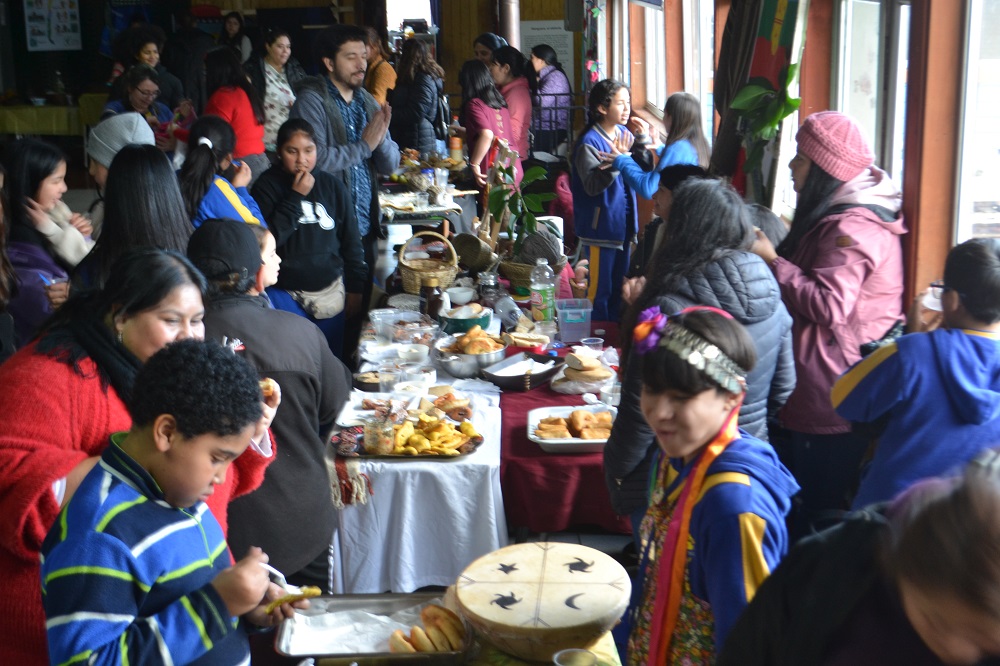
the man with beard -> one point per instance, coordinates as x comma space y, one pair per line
351, 129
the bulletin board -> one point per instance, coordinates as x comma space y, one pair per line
52, 25
555, 35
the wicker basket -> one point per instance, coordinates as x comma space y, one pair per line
519, 275
473, 252
414, 271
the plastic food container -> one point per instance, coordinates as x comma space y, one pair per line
574, 318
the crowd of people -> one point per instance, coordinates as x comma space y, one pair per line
772, 380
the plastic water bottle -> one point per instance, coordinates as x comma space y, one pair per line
543, 291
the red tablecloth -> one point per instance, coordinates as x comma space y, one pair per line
545, 492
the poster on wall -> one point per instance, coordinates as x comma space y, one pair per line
555, 35
52, 25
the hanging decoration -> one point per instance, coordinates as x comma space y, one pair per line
592, 34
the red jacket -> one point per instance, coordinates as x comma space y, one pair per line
843, 287
54, 417
233, 106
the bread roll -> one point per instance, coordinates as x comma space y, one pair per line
554, 420
555, 433
603, 418
595, 433
582, 362
580, 419
598, 375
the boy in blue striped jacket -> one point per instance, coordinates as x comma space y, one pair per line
136, 570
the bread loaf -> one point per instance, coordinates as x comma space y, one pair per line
582, 362
597, 375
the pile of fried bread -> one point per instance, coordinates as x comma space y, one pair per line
581, 424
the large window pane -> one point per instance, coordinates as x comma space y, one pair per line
656, 70
979, 187
859, 64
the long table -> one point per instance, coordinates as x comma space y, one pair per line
426, 520
545, 492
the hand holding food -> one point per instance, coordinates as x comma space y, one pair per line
305, 592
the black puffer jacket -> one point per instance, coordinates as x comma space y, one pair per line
741, 284
414, 106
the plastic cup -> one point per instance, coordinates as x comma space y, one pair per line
597, 344
612, 394
574, 657
930, 302
388, 376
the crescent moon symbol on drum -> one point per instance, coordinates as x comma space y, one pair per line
570, 601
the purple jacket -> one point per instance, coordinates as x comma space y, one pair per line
552, 100
843, 287
30, 305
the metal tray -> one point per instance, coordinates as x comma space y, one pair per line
377, 604
523, 382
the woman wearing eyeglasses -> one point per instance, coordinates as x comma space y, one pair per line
140, 94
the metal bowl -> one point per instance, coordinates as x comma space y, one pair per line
463, 366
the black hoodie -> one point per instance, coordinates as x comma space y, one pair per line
316, 235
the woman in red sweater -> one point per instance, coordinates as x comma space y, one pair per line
232, 98
66, 394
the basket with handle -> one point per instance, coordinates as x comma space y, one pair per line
414, 271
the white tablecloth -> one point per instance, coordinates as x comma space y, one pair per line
425, 521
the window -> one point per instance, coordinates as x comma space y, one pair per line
397, 11
655, 57
979, 171
699, 58
873, 40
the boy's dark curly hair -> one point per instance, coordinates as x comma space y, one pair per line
203, 385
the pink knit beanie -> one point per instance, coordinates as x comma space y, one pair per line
834, 142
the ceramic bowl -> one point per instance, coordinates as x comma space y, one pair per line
461, 295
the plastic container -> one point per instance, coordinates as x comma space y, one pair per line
574, 318
543, 291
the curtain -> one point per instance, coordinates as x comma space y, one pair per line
735, 57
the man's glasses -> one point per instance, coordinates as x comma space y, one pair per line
938, 288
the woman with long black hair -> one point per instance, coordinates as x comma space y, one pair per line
232, 98
485, 117
553, 97
143, 207
840, 269
415, 100
705, 259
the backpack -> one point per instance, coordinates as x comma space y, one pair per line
442, 118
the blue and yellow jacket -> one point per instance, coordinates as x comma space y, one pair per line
603, 204
126, 578
225, 201
737, 534
939, 394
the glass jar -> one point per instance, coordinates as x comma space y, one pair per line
379, 436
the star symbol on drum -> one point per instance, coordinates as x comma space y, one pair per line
507, 568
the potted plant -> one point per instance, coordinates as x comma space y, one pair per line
509, 205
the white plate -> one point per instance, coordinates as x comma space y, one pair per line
571, 445
351, 413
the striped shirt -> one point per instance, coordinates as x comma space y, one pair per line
126, 577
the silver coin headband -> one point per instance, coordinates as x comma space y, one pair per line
704, 356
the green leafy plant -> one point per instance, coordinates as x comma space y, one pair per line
508, 201
763, 108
